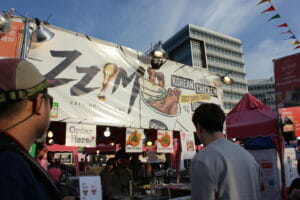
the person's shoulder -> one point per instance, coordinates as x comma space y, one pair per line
12, 164
11, 157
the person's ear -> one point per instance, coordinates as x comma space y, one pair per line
37, 103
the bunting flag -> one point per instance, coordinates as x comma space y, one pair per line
262, 1
296, 42
283, 25
297, 47
292, 37
268, 10
274, 17
287, 32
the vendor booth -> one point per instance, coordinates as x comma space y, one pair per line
258, 125
109, 97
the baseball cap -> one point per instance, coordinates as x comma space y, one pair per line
19, 79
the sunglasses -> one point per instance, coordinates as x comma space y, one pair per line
50, 98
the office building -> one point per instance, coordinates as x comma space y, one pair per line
219, 53
264, 90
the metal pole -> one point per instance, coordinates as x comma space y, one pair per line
25, 45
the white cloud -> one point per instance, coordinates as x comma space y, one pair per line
230, 16
259, 62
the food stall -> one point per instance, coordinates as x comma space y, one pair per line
99, 86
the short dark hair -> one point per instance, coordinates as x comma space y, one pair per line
11, 110
210, 116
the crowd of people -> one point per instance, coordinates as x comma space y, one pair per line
222, 170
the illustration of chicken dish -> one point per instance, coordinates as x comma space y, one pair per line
134, 138
155, 94
165, 140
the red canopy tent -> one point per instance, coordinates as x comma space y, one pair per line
251, 118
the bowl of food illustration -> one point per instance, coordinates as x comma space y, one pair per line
161, 100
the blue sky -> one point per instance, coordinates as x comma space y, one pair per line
139, 23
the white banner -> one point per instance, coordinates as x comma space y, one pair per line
96, 82
290, 165
187, 145
165, 141
270, 182
134, 140
90, 188
80, 135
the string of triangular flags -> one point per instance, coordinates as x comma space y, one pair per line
284, 25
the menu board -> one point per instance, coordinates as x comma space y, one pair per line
90, 188
134, 140
165, 141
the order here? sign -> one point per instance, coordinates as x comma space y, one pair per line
81, 135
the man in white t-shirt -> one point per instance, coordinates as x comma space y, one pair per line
222, 170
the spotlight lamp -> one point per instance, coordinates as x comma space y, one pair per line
41, 34
227, 79
5, 21
159, 56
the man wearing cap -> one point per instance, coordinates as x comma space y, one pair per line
24, 117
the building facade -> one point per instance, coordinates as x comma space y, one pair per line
264, 90
219, 53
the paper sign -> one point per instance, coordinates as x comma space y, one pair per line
290, 165
90, 188
187, 145
134, 140
81, 135
10, 43
164, 141
269, 173
291, 119
54, 110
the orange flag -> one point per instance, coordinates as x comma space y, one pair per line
262, 1
296, 42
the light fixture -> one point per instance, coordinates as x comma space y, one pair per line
112, 144
5, 21
159, 56
97, 152
149, 143
50, 134
107, 132
227, 80
51, 141
41, 34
